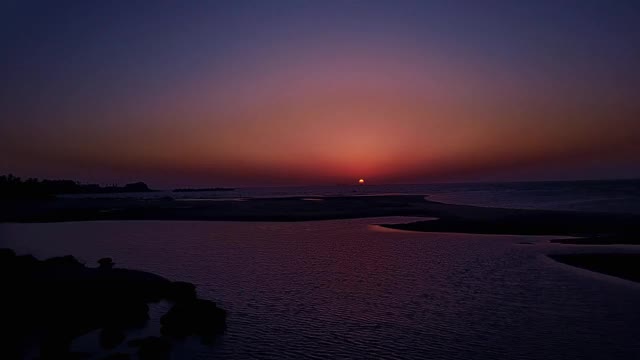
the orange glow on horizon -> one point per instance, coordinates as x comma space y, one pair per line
311, 108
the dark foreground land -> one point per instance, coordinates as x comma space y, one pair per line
46, 304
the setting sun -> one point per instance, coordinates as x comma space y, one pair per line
361, 181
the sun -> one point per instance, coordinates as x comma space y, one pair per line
361, 181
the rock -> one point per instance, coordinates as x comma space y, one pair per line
7, 254
61, 299
106, 263
67, 260
27, 262
127, 313
200, 317
111, 337
181, 291
7, 259
117, 356
152, 348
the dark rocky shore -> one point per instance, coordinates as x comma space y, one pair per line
46, 304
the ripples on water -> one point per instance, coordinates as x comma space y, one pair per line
341, 289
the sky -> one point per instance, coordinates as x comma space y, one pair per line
252, 93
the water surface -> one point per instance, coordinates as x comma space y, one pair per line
343, 289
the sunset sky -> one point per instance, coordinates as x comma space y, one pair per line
179, 93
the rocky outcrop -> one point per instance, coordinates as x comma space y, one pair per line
60, 298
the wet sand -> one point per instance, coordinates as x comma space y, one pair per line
584, 228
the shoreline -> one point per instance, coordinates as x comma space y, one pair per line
583, 227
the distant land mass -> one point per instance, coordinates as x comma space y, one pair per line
203, 189
15, 187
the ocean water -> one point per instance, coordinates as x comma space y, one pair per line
593, 196
349, 289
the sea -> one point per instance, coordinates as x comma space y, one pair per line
350, 289
622, 196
